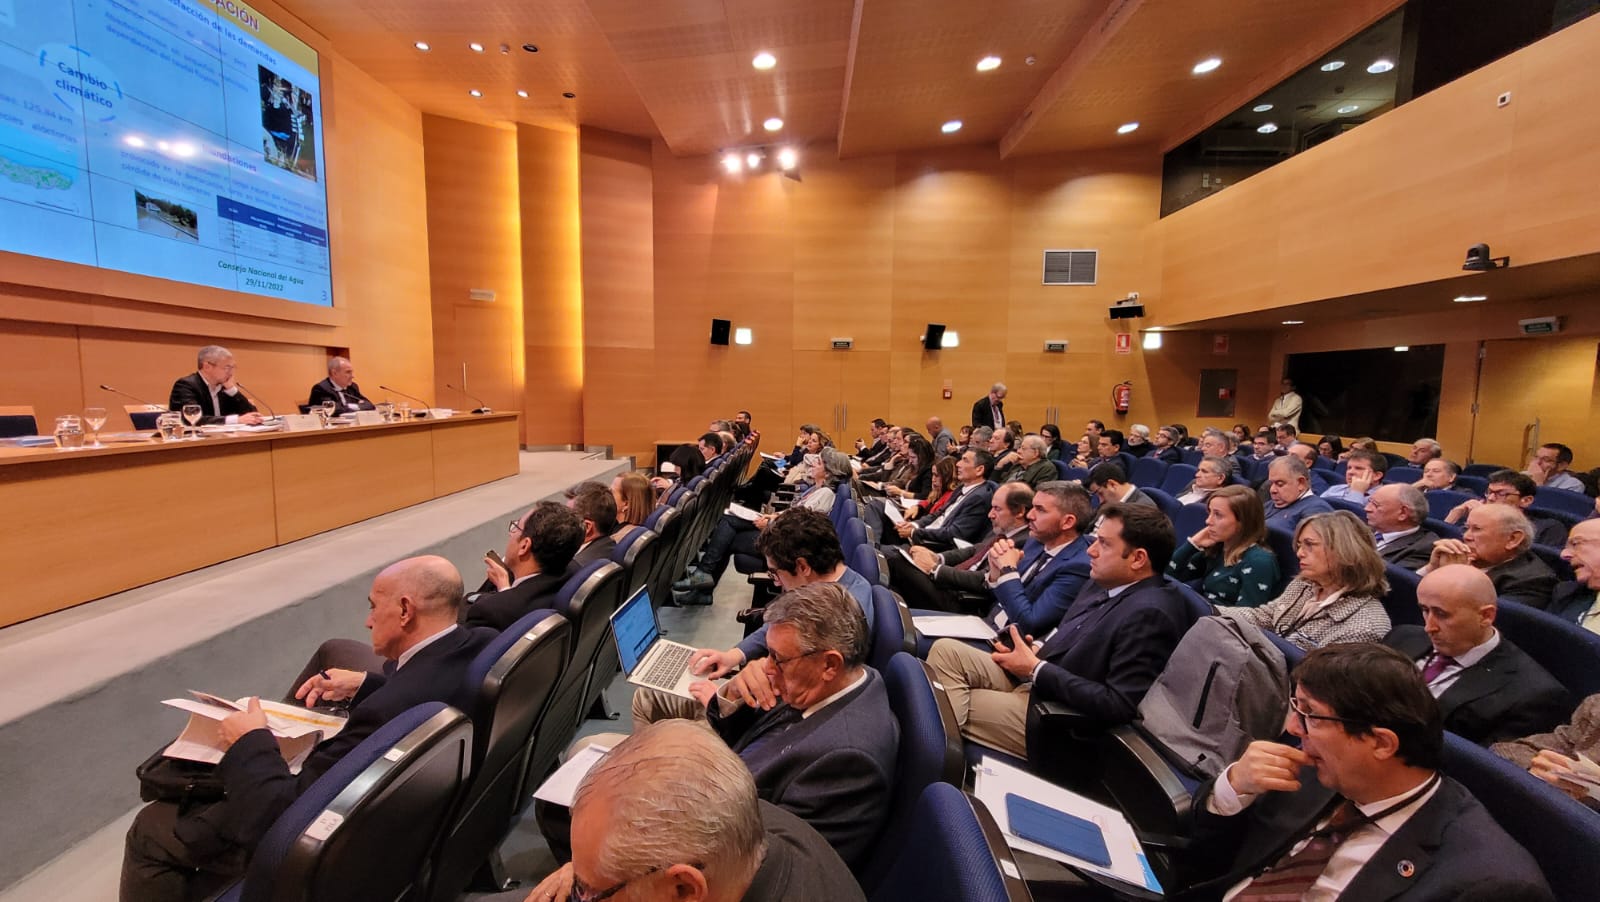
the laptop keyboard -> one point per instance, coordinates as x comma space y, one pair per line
669, 665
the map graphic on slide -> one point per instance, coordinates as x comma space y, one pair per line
181, 139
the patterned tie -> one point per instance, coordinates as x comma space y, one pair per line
1435, 666
979, 556
1292, 875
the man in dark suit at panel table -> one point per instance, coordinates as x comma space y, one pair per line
538, 553
340, 388
173, 855
213, 387
1378, 821
1489, 690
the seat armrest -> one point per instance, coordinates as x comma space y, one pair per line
1149, 790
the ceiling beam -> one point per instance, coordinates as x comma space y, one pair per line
849, 74
1115, 14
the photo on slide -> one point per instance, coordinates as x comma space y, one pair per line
289, 132
165, 218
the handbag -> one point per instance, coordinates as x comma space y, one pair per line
187, 783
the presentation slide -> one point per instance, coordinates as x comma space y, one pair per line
180, 139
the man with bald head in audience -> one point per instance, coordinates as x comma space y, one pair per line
174, 854
1515, 490
1499, 540
941, 438
1290, 497
1395, 513
1489, 690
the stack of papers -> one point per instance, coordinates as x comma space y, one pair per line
563, 784
954, 626
1586, 775
742, 512
298, 730
892, 511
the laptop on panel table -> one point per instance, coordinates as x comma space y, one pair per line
646, 658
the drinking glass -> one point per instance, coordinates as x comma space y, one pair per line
69, 432
191, 412
96, 418
405, 413
328, 408
169, 425
386, 409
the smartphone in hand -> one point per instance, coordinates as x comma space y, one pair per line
493, 555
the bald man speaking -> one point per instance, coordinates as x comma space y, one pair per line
1488, 689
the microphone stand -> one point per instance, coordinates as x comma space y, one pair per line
255, 397
425, 404
118, 391
482, 407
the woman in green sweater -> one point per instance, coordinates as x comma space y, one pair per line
1229, 556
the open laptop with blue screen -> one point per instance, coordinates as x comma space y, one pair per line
648, 659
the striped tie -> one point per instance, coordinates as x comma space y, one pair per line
1293, 874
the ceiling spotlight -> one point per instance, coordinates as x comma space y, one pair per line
1333, 65
568, 94
989, 64
1294, 322
505, 48
732, 163
1349, 108
1470, 298
752, 159
1261, 108
787, 158
764, 61
531, 48
1379, 67
1266, 128
951, 127
523, 94
1126, 127
475, 47
422, 45
1479, 260
772, 124
1207, 65
475, 92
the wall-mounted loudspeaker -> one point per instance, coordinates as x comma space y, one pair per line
932, 338
719, 331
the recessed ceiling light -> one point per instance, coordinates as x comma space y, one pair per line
1470, 298
1261, 108
1379, 67
1333, 65
951, 127
523, 94
1206, 65
787, 158
1126, 127
731, 162
1266, 128
475, 92
772, 124
475, 47
1349, 108
1402, 348
422, 45
531, 48
568, 94
764, 60
1294, 322
988, 64
752, 159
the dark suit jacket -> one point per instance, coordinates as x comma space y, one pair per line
1570, 601
1172, 454
191, 389
1035, 605
974, 581
499, 610
968, 522
1410, 552
1295, 512
353, 399
1454, 846
834, 770
1547, 530
1507, 695
1524, 578
1107, 651
982, 415
799, 866
259, 785
598, 550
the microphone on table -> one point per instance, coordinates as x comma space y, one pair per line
402, 394
118, 391
482, 407
255, 397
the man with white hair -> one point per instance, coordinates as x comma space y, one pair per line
1396, 513
1424, 450
990, 410
1499, 540
340, 388
1027, 463
673, 813
213, 387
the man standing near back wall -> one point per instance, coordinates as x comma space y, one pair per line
990, 410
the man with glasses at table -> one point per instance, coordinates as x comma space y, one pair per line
213, 387
538, 560
1379, 821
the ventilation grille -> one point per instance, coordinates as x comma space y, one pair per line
1070, 267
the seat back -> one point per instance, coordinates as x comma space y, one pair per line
853, 535
1440, 501
1552, 559
1401, 599
1061, 469
18, 420
587, 601
1442, 529
887, 632
637, 555
1081, 474
1168, 504
1190, 519
1477, 485
953, 851
1557, 831
1192, 456
1355, 507
1484, 469
509, 687
1570, 652
929, 753
1281, 540
863, 559
1403, 474
338, 840
1324, 464
668, 526
143, 416
1178, 477
844, 507
1148, 472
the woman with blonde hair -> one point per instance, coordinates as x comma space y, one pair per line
1336, 596
1229, 557
635, 500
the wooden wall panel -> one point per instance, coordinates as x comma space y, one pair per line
474, 218
39, 366
552, 285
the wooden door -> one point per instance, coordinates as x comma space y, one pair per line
1534, 390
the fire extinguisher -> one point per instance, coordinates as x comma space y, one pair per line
1121, 396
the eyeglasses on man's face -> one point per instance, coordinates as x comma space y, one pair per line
1299, 709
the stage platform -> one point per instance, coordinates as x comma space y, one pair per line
83, 686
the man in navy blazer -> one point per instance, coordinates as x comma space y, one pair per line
1290, 496
1400, 830
213, 387
1034, 587
174, 854
1110, 646
340, 388
539, 551
812, 721
966, 514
